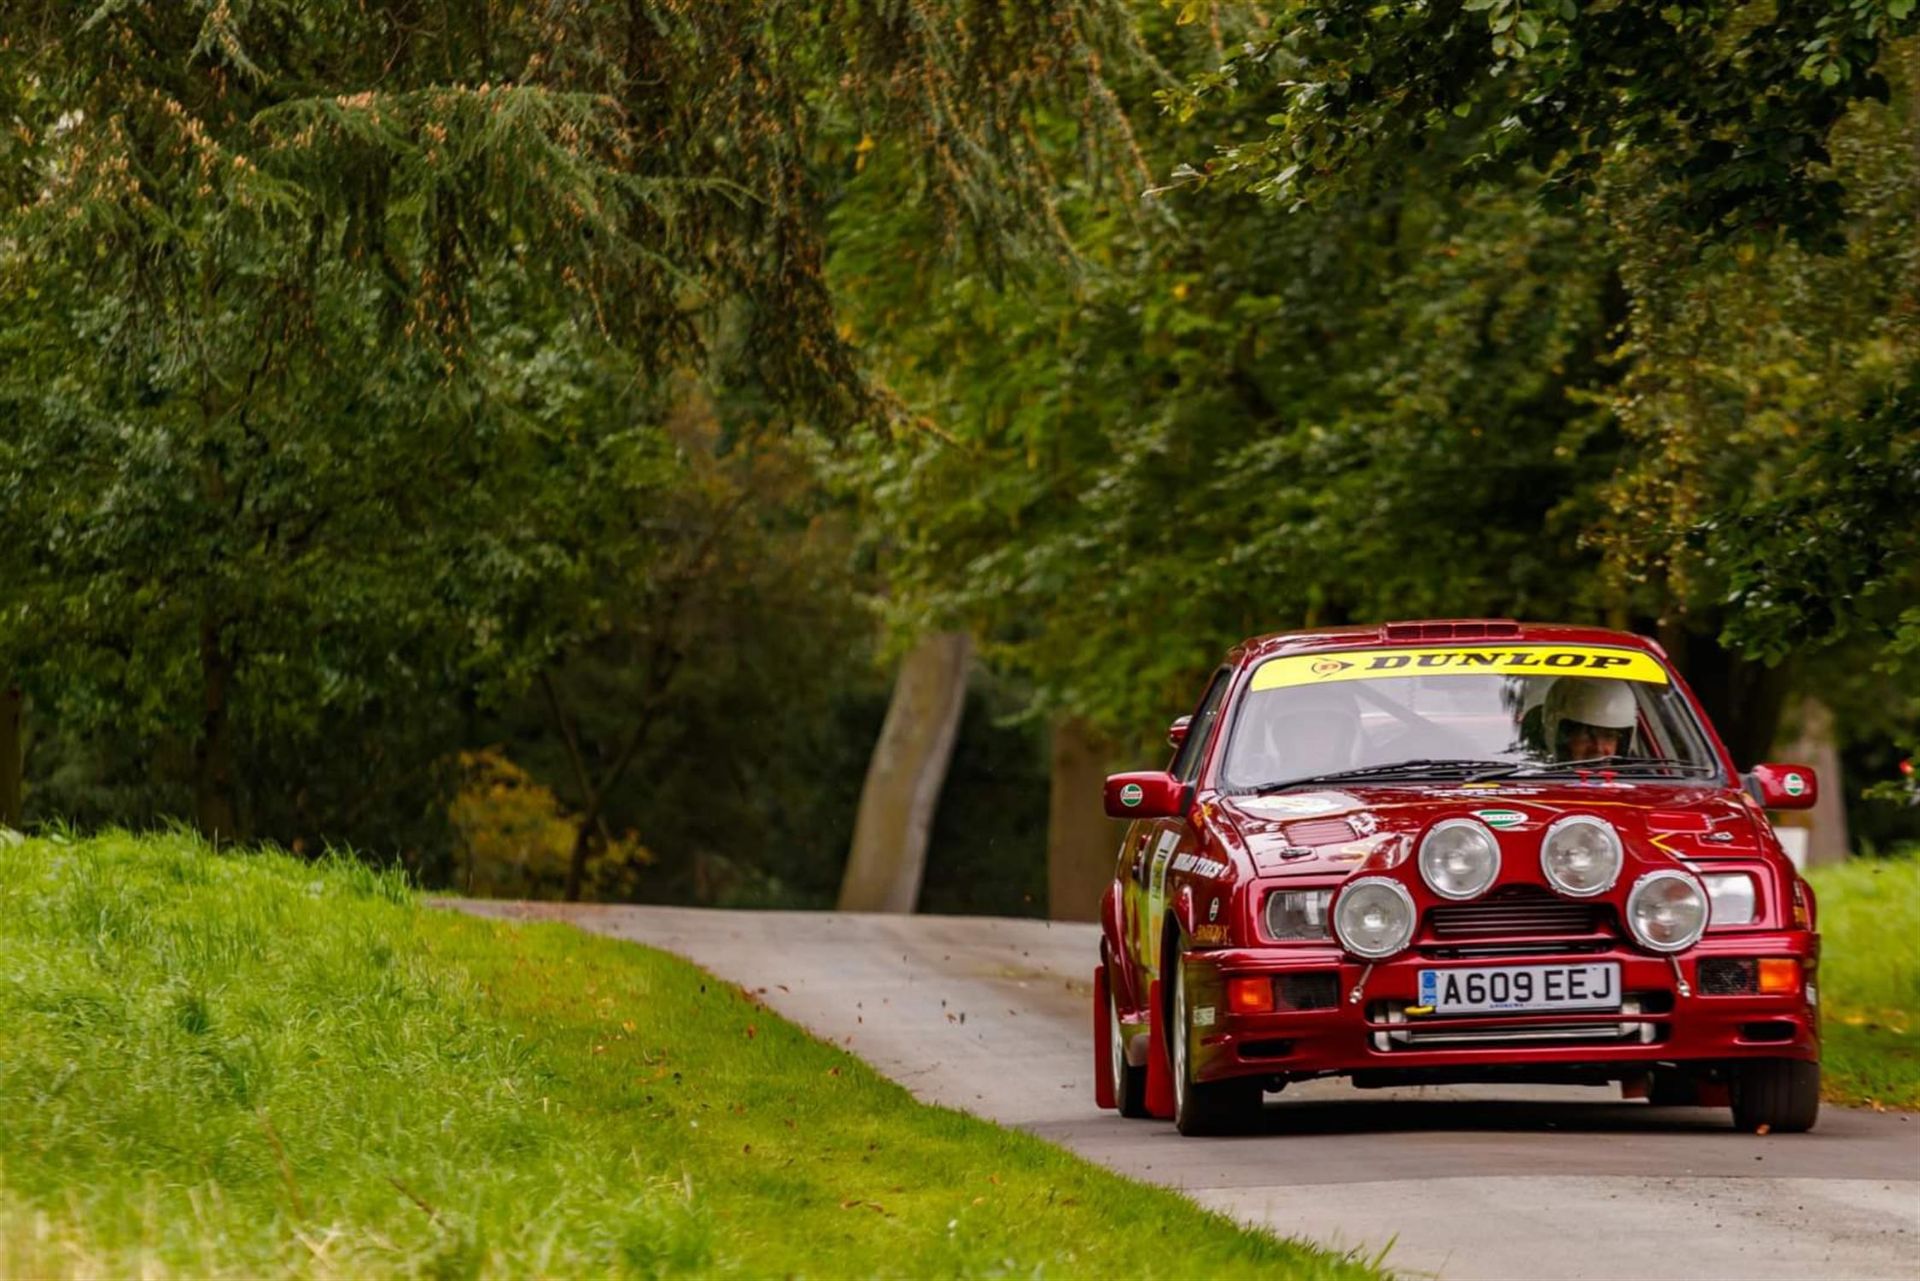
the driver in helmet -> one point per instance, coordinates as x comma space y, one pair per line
1586, 717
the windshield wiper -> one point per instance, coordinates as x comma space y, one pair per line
1397, 770
1608, 764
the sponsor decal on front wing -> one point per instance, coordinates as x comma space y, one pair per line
1191, 862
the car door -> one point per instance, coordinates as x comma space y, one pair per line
1167, 838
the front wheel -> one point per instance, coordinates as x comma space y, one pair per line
1216, 1107
1781, 1096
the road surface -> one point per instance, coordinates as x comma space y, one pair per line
994, 1016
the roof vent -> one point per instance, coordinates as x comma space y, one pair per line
1465, 629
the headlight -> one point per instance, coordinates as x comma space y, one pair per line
1731, 898
1374, 917
1667, 911
1459, 858
1293, 915
1580, 856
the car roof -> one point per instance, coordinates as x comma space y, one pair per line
1433, 631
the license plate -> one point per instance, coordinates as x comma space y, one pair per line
1476, 990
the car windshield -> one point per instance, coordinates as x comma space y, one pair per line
1462, 713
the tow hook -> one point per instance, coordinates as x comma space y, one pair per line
1680, 983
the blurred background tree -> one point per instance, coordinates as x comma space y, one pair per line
584, 406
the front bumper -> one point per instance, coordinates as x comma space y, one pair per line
1658, 1023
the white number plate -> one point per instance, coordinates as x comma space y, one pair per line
1521, 987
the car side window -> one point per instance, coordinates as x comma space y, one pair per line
1186, 765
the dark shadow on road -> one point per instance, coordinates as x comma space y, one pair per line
1358, 1138
1362, 1115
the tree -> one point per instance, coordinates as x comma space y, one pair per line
303, 300
1495, 308
1722, 111
1220, 421
904, 778
11, 758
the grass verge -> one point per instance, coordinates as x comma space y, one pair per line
248, 1064
1870, 980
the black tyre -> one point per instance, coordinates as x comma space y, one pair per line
1217, 1107
1782, 1095
1129, 1083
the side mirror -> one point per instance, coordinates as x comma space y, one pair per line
1784, 787
1177, 732
1145, 794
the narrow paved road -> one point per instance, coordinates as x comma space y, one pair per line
993, 1016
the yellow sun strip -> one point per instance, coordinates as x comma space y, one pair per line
1460, 660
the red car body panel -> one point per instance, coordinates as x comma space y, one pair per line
1190, 889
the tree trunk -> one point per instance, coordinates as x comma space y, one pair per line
213, 752
1081, 839
1743, 698
904, 777
577, 860
12, 757
1826, 823
595, 821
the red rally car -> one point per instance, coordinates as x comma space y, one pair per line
1454, 851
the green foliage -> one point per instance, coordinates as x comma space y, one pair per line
1674, 395
365, 375
1224, 422
512, 839
1720, 111
1771, 404
720, 635
339, 348
246, 1065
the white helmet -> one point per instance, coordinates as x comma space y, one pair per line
1598, 701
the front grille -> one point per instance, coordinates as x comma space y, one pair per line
1517, 912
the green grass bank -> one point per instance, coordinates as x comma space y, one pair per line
246, 1064
1870, 980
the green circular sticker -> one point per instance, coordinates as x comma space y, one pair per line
1500, 818
1131, 795
1794, 785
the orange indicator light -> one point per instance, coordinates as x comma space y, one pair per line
1779, 974
1250, 996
